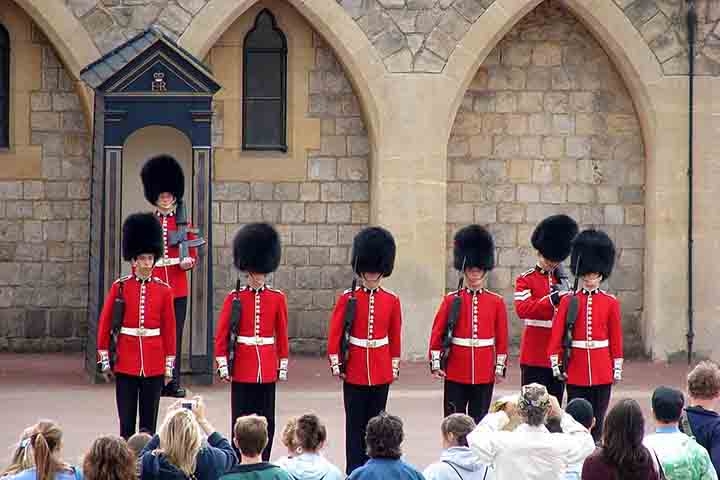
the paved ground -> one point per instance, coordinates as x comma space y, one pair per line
55, 386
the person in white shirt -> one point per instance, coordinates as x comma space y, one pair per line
530, 452
582, 412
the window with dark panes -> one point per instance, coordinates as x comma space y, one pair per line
4, 88
265, 86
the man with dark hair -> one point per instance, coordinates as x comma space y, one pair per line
250, 437
252, 329
701, 420
682, 458
164, 186
138, 349
384, 437
537, 295
364, 347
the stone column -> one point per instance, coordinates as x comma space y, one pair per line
408, 196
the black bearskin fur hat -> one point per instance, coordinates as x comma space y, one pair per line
553, 237
474, 247
595, 251
256, 248
162, 174
373, 251
141, 233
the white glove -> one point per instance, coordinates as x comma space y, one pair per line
555, 365
335, 365
617, 369
500, 365
222, 368
104, 362
434, 360
283, 370
169, 365
396, 368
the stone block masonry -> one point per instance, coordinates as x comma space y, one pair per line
44, 224
548, 127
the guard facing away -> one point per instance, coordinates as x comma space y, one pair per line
537, 295
469, 338
164, 185
251, 339
364, 339
586, 344
136, 330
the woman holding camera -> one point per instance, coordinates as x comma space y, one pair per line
178, 451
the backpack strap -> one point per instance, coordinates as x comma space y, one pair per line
453, 467
685, 426
76, 473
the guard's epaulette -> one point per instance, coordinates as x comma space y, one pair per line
350, 290
242, 289
276, 290
609, 294
160, 281
450, 294
528, 272
493, 293
122, 279
389, 291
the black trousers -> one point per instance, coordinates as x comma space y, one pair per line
543, 376
131, 392
180, 304
257, 398
472, 400
599, 397
362, 403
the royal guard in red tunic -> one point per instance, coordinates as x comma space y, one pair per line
364, 339
594, 359
164, 186
251, 339
136, 330
537, 295
469, 338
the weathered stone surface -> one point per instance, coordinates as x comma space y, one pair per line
192, 6
174, 19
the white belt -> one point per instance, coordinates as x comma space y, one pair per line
473, 342
538, 323
372, 343
167, 262
590, 345
140, 332
256, 340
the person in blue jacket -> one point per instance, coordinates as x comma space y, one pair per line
701, 419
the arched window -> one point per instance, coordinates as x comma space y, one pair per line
4, 88
265, 86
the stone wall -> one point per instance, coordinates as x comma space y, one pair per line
317, 218
44, 223
547, 126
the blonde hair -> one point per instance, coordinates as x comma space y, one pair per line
180, 440
38, 448
288, 435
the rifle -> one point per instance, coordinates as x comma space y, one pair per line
452, 319
348, 320
118, 313
570, 319
562, 276
179, 237
234, 324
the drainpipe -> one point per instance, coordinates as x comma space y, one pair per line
691, 29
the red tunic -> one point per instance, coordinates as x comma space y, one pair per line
263, 315
598, 320
473, 364
536, 311
168, 268
368, 366
149, 305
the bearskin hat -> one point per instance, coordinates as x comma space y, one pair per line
141, 233
162, 174
256, 248
373, 251
553, 237
474, 248
594, 251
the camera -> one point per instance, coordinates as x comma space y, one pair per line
189, 404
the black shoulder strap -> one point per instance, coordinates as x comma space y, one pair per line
453, 467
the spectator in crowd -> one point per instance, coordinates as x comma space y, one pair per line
177, 451
110, 458
582, 411
507, 404
250, 435
308, 463
457, 461
701, 419
623, 455
530, 452
20, 459
383, 437
288, 440
681, 457
137, 442
40, 456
